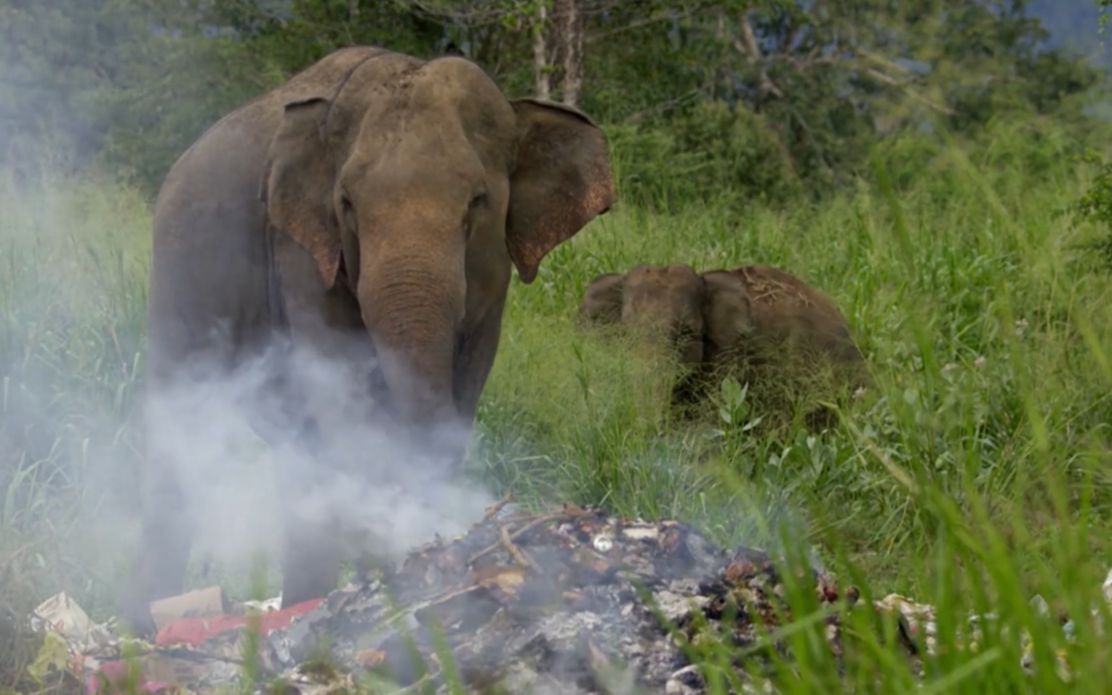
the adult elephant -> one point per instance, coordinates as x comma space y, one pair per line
369, 209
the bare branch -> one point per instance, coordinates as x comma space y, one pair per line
747, 45
639, 24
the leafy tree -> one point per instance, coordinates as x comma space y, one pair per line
55, 54
814, 83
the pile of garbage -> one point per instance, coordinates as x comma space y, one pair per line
572, 601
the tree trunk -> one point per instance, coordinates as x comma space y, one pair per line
571, 36
540, 53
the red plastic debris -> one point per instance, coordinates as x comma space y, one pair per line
195, 631
113, 676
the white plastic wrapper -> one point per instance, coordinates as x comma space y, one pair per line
62, 615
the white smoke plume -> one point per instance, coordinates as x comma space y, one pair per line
387, 491
77, 438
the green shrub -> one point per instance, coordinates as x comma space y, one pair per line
737, 152
714, 153
649, 169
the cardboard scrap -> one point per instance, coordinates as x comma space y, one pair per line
194, 604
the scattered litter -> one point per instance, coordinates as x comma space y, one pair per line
197, 631
572, 601
265, 606
917, 622
61, 614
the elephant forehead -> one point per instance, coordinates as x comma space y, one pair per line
462, 83
652, 280
660, 301
682, 271
454, 90
428, 126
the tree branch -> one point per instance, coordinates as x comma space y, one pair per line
747, 45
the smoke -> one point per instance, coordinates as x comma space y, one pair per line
246, 473
77, 439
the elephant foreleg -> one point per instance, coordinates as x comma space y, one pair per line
320, 387
310, 551
166, 539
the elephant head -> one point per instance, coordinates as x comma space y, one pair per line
414, 186
664, 302
755, 313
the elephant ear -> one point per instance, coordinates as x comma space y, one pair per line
602, 303
298, 186
727, 313
561, 180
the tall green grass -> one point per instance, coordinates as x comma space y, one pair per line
973, 475
73, 263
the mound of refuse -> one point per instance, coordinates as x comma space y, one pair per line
572, 601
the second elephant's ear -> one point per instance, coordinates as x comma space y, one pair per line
602, 302
298, 186
727, 316
561, 180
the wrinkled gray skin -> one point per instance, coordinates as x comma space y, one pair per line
753, 313
369, 210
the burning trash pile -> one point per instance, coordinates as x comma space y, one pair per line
573, 601
570, 602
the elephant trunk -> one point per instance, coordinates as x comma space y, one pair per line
412, 311
690, 348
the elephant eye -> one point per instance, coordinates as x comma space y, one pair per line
477, 201
347, 210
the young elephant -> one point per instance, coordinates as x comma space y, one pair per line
757, 319
665, 302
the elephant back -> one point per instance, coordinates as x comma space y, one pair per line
785, 311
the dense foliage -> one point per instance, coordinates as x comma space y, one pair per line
799, 90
